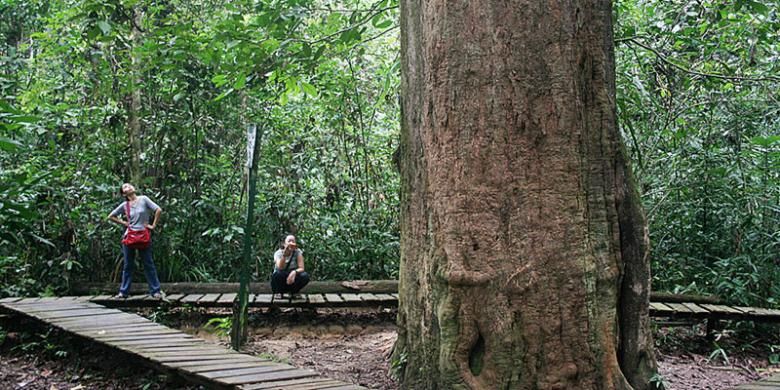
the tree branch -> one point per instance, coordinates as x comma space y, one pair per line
666, 60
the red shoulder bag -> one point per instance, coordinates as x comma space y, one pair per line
135, 239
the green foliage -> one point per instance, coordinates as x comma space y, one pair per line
696, 99
658, 382
696, 102
320, 79
398, 365
220, 325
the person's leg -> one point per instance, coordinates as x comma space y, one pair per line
127, 270
150, 271
279, 282
301, 280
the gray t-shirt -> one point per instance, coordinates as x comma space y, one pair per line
140, 213
293, 258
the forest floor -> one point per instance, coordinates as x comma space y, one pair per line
351, 346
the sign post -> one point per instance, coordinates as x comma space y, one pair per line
238, 332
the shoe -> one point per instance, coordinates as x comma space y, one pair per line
158, 295
120, 296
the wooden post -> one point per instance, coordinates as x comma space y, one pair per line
238, 331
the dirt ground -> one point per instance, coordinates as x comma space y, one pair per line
353, 347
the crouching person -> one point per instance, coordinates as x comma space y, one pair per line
289, 275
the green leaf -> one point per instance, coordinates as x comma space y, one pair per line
223, 95
240, 81
384, 24
308, 89
219, 80
104, 26
9, 145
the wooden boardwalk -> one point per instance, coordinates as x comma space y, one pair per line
714, 312
255, 300
681, 310
769, 383
167, 349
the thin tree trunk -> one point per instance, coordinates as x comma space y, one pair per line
523, 245
134, 109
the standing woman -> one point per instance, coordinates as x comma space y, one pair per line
137, 211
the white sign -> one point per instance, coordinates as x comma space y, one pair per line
251, 134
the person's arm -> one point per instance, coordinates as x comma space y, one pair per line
294, 273
116, 219
114, 216
157, 211
156, 219
300, 263
279, 260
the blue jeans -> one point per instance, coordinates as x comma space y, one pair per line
149, 270
279, 282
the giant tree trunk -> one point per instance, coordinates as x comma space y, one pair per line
523, 253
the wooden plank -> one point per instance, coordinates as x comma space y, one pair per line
328, 384
201, 345
270, 376
117, 327
225, 366
11, 299
333, 298
100, 298
369, 297
184, 354
679, 308
263, 299
227, 298
316, 298
191, 298
103, 320
134, 337
174, 297
660, 307
64, 314
188, 348
695, 308
283, 385
45, 308
351, 298
134, 331
272, 367
386, 297
720, 309
299, 299
209, 298
167, 342
203, 363
190, 358
746, 310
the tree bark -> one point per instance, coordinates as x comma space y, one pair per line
523, 244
